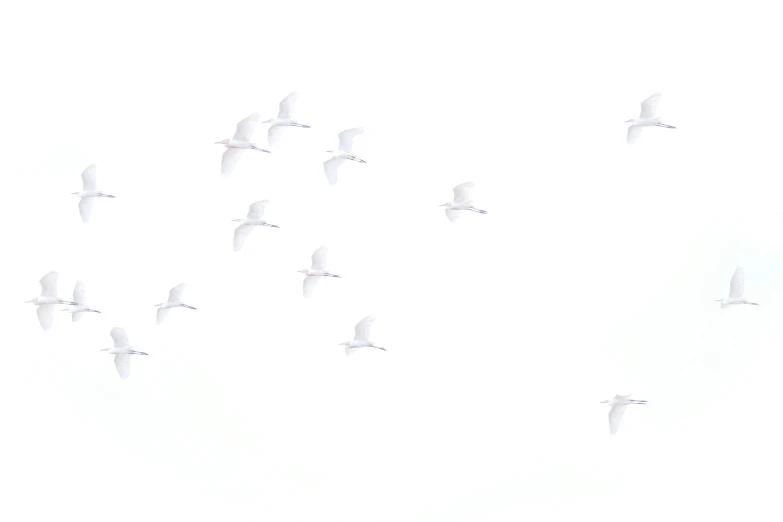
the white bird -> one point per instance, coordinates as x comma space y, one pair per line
647, 118
736, 290
48, 300
342, 153
89, 192
80, 308
122, 351
174, 301
361, 337
254, 218
617, 410
316, 272
285, 118
461, 202
237, 145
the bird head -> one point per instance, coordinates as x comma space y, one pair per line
30, 301
606, 402
628, 121
448, 203
222, 142
302, 271
105, 349
236, 219
75, 193
346, 343
268, 121
159, 304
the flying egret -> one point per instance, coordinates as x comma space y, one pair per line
80, 308
174, 301
48, 300
88, 193
237, 145
122, 351
361, 337
461, 202
285, 118
246, 225
736, 290
617, 410
342, 153
317, 270
647, 118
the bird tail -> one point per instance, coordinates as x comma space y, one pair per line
76, 316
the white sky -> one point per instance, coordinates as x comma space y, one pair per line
594, 272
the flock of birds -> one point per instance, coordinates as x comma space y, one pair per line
235, 147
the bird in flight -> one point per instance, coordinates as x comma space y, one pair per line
238, 144
461, 202
48, 300
342, 154
736, 290
617, 410
89, 192
361, 337
647, 118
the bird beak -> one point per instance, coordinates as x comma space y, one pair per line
627, 121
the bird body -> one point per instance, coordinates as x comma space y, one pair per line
361, 338
342, 154
647, 118
80, 308
285, 118
254, 218
88, 193
461, 202
618, 405
238, 144
316, 271
48, 300
174, 301
122, 351
736, 290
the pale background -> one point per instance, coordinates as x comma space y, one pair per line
594, 272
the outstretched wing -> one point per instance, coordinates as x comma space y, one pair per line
453, 215
256, 210
615, 417
120, 337
246, 127
650, 107
240, 235
46, 315
49, 284
286, 111
319, 258
633, 134
462, 192
330, 169
161, 315
89, 178
78, 293
122, 362
737, 285
229, 162
309, 284
363, 328
346, 138
175, 294
85, 209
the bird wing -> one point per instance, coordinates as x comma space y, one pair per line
462, 192
737, 285
319, 258
89, 178
85, 209
49, 284
330, 169
246, 127
274, 134
240, 235
229, 162
363, 328
650, 107
175, 294
633, 134
615, 417
161, 315
120, 337
347, 136
453, 215
78, 293
256, 210
286, 111
76, 316
122, 362
46, 315
309, 284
